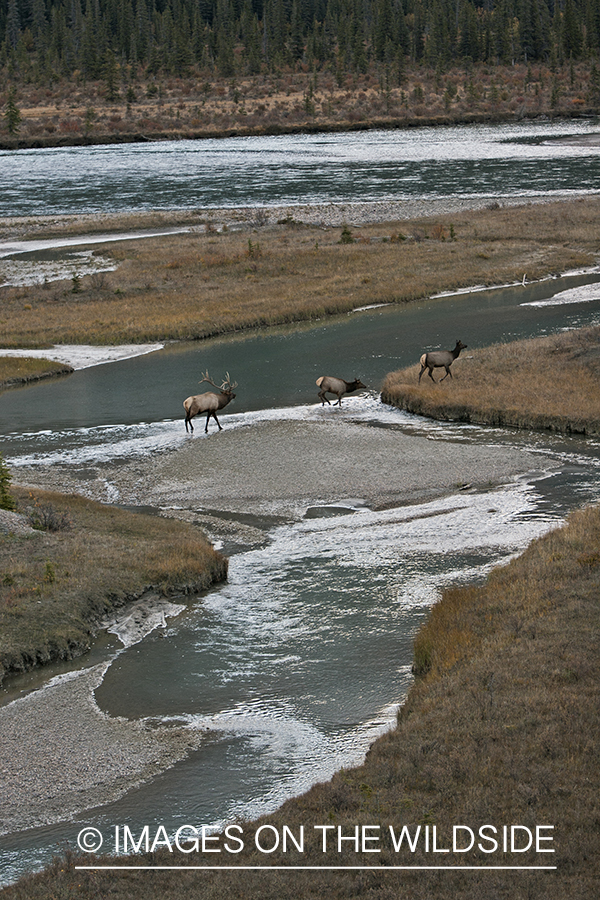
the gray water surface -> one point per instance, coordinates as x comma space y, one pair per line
525, 159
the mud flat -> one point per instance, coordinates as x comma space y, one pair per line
282, 469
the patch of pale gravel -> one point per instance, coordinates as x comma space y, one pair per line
280, 468
60, 754
323, 214
15, 523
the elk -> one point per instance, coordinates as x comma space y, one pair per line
209, 402
440, 359
337, 386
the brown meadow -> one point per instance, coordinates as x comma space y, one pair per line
192, 286
77, 110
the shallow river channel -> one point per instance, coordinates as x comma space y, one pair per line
342, 526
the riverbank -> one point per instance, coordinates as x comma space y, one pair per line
79, 112
219, 280
25, 370
547, 384
20, 367
78, 563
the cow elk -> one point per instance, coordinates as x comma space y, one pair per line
440, 359
209, 402
337, 386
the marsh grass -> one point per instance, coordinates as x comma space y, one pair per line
192, 286
501, 727
20, 370
83, 561
543, 383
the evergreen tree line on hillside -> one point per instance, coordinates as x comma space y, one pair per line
52, 39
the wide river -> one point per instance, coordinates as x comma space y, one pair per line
531, 159
291, 669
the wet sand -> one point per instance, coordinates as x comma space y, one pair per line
235, 482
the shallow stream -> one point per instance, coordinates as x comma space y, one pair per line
295, 665
273, 681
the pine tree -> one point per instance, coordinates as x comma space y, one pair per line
109, 70
12, 117
13, 24
571, 36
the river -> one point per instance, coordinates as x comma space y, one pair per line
295, 665
527, 159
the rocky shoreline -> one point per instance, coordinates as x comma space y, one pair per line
322, 215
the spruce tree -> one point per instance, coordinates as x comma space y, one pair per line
12, 113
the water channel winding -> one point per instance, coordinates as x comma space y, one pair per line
293, 667
275, 671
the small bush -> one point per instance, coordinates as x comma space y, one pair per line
6, 499
46, 517
346, 237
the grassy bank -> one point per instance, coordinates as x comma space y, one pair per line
500, 728
79, 111
83, 561
544, 383
192, 286
23, 370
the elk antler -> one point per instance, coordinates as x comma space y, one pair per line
227, 385
206, 377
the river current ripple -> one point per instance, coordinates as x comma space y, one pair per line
530, 159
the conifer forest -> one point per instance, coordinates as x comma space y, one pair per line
237, 66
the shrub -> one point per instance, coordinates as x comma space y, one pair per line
346, 237
46, 517
6, 499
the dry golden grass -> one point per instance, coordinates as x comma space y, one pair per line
548, 382
503, 728
195, 285
56, 586
23, 369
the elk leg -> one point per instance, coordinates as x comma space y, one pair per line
214, 415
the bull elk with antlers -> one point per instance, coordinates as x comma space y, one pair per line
209, 402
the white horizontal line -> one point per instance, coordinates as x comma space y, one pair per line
317, 868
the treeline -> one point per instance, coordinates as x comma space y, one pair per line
44, 40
